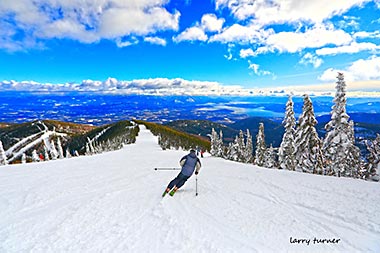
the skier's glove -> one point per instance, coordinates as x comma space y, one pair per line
196, 173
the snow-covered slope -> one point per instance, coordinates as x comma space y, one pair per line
112, 203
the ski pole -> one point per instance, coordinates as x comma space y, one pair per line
166, 168
196, 185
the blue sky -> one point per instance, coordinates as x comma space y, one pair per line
249, 43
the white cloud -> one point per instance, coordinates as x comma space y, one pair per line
283, 42
244, 53
309, 58
153, 86
364, 34
361, 70
126, 43
85, 21
352, 48
287, 11
242, 34
178, 86
191, 34
256, 69
116, 22
315, 37
155, 40
211, 23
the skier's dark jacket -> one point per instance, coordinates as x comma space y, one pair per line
189, 163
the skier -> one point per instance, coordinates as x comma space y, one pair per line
189, 163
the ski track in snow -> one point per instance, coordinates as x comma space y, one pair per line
112, 203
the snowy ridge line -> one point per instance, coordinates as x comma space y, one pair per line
44, 136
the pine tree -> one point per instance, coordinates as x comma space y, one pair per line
3, 156
60, 149
372, 167
46, 154
260, 146
353, 155
286, 152
241, 147
270, 158
248, 148
234, 150
214, 143
308, 145
219, 145
342, 157
53, 151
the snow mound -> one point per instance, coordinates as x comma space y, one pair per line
112, 203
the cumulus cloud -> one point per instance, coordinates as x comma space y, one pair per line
178, 86
364, 34
315, 37
283, 42
287, 11
361, 70
242, 34
352, 48
244, 53
28, 22
211, 23
152, 86
155, 40
191, 34
309, 58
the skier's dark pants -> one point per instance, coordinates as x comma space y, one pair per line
179, 181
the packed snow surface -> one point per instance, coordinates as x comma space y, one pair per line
112, 203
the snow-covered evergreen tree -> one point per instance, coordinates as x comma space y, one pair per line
47, 158
219, 145
342, 157
286, 152
241, 147
90, 149
372, 168
270, 157
260, 146
248, 148
3, 156
354, 161
60, 149
214, 142
308, 145
233, 150
53, 151
35, 157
